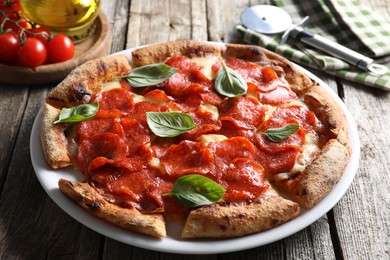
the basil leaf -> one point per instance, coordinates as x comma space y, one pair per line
78, 113
150, 75
278, 134
195, 190
169, 124
229, 83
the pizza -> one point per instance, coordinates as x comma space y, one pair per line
225, 139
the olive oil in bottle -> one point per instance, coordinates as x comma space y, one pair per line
74, 18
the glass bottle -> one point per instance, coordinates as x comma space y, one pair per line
74, 18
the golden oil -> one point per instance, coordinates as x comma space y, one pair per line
74, 18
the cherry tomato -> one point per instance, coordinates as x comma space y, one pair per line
32, 53
9, 47
60, 48
41, 33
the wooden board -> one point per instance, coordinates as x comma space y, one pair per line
95, 46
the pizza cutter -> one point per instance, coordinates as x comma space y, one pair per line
268, 19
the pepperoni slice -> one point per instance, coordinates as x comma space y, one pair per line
230, 149
278, 96
139, 110
229, 129
294, 141
249, 71
277, 162
135, 134
160, 146
133, 164
158, 96
205, 121
114, 103
182, 63
187, 157
189, 78
243, 180
262, 77
268, 74
90, 127
99, 150
131, 189
186, 104
244, 112
304, 117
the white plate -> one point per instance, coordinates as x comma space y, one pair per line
173, 244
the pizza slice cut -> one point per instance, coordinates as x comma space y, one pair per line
88, 197
322, 172
229, 220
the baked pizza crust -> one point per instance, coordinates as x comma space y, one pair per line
127, 218
158, 53
53, 139
223, 221
84, 81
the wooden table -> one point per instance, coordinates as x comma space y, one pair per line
32, 226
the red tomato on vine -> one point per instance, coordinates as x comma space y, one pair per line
32, 53
59, 49
9, 47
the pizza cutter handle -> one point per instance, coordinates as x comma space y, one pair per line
337, 50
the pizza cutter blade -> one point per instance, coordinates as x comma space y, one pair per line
270, 19
266, 19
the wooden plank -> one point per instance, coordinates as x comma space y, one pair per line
362, 216
223, 17
117, 12
31, 225
154, 22
12, 103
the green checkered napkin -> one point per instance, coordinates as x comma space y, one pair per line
347, 22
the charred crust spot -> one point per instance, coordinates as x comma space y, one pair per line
227, 217
79, 198
257, 52
241, 215
274, 222
226, 204
223, 227
102, 67
56, 99
330, 181
80, 93
94, 206
304, 192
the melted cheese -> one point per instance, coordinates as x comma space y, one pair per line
155, 162
208, 138
206, 63
269, 111
137, 98
308, 151
111, 85
210, 108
